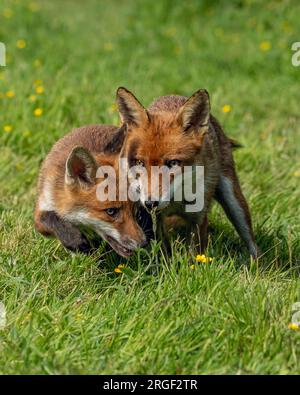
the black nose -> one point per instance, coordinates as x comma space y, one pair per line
151, 204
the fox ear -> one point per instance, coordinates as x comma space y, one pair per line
81, 168
194, 114
130, 109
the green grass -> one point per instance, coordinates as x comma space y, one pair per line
73, 314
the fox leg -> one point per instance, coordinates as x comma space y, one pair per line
203, 234
197, 235
50, 224
230, 196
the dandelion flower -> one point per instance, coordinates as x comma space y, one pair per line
7, 128
10, 94
40, 89
293, 326
265, 46
226, 108
38, 112
21, 44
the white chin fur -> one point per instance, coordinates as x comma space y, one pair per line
81, 217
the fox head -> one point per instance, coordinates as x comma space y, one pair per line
113, 220
168, 140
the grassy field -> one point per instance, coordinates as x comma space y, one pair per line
73, 314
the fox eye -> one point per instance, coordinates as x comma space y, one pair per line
138, 162
112, 211
173, 163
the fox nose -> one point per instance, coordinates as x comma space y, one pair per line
151, 204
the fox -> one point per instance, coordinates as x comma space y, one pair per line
177, 131
67, 199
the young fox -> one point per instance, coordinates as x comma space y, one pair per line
177, 131
67, 193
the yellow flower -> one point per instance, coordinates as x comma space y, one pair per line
118, 269
39, 89
112, 108
226, 108
27, 133
38, 112
265, 46
21, 44
108, 47
203, 258
7, 128
37, 63
10, 94
293, 326
193, 267
7, 13
37, 82
19, 166
32, 98
297, 173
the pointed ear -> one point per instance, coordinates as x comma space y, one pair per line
194, 114
130, 109
81, 168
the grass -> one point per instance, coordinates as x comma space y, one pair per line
74, 314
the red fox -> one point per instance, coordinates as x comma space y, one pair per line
67, 193
176, 131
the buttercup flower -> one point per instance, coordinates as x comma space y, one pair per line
10, 94
293, 326
7, 128
297, 173
265, 46
21, 44
37, 63
27, 133
118, 269
39, 89
203, 258
38, 112
226, 108
193, 267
